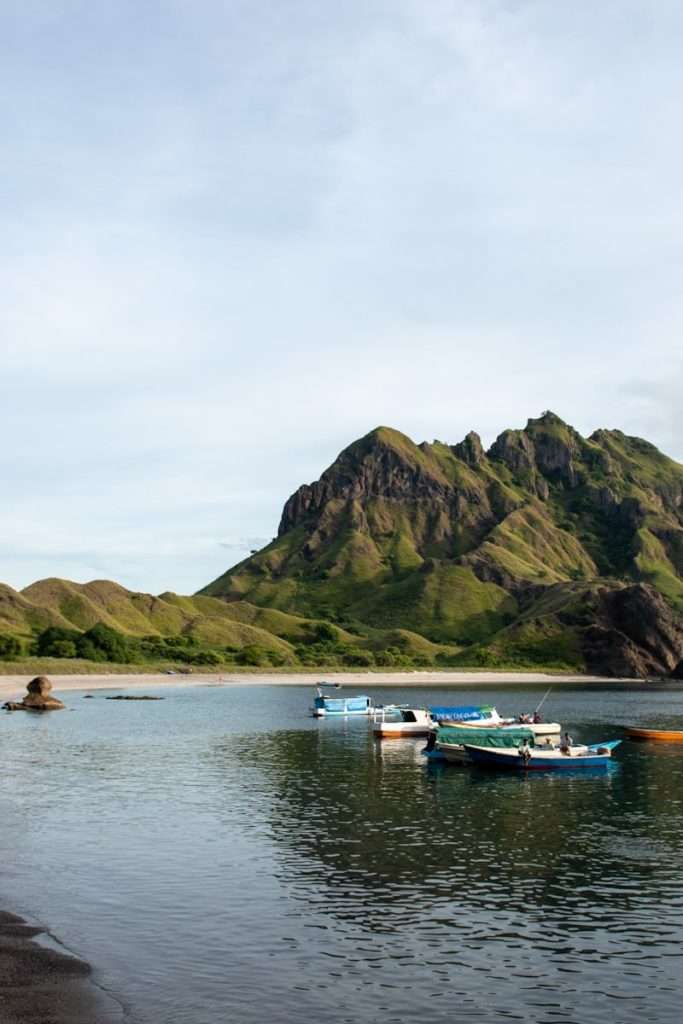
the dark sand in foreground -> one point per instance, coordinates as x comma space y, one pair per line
39, 985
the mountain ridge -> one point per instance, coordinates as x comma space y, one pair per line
547, 549
453, 540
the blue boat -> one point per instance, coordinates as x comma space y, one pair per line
324, 705
594, 755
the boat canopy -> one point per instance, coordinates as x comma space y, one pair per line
342, 703
451, 734
464, 713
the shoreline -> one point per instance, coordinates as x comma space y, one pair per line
14, 686
42, 982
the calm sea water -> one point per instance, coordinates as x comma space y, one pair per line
220, 856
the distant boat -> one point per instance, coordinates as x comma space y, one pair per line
594, 755
397, 720
324, 705
666, 735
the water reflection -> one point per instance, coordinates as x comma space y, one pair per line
376, 816
221, 856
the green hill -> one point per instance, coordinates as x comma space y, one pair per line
199, 630
549, 548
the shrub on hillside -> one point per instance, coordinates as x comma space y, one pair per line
109, 643
208, 658
10, 647
64, 649
252, 654
47, 642
326, 634
354, 656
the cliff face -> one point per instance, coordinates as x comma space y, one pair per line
453, 541
635, 634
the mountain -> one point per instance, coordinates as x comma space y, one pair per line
549, 548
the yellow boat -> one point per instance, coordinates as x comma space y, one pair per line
667, 735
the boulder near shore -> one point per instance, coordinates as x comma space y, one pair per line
37, 698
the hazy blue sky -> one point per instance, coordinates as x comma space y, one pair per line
238, 235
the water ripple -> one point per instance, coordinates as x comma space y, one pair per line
220, 856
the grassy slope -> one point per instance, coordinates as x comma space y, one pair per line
394, 562
211, 620
399, 563
80, 606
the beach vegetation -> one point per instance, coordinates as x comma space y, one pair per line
10, 647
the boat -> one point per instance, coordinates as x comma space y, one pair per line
448, 742
401, 720
485, 714
324, 704
541, 730
593, 755
665, 735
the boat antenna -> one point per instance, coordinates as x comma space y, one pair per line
539, 706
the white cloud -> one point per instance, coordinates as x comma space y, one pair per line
238, 237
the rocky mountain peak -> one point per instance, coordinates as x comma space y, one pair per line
383, 464
470, 449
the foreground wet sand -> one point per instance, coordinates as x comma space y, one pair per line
40, 985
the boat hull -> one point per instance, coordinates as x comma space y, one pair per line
387, 732
663, 735
511, 760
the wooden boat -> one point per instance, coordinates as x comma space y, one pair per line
397, 720
594, 755
449, 742
324, 704
665, 735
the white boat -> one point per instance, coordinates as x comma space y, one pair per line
396, 720
474, 714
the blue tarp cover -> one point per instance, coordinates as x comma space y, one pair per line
465, 713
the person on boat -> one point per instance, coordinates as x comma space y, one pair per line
524, 750
536, 718
566, 743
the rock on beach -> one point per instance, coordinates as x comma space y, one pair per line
38, 697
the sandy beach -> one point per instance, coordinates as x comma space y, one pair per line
13, 687
40, 984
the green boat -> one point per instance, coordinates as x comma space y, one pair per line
447, 743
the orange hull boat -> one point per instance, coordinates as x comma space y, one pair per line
668, 735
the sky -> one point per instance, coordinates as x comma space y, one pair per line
239, 235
